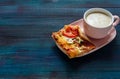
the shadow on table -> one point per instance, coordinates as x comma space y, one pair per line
103, 54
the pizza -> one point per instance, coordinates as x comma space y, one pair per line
72, 41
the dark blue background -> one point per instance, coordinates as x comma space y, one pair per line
27, 50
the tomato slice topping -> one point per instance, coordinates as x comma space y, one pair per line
69, 34
71, 31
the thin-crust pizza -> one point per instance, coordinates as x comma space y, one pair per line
72, 41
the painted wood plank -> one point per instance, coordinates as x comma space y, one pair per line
27, 50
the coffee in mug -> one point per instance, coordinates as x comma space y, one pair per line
98, 19
98, 22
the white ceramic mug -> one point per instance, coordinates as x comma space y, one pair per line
99, 31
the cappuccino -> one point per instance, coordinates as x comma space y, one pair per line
98, 22
98, 19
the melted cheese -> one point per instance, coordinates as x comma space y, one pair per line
72, 46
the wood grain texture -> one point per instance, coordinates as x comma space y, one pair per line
27, 50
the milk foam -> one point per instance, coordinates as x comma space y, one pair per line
98, 19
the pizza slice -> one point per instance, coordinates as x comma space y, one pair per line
72, 41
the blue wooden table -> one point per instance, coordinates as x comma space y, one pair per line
27, 50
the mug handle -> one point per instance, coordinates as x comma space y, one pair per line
117, 20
